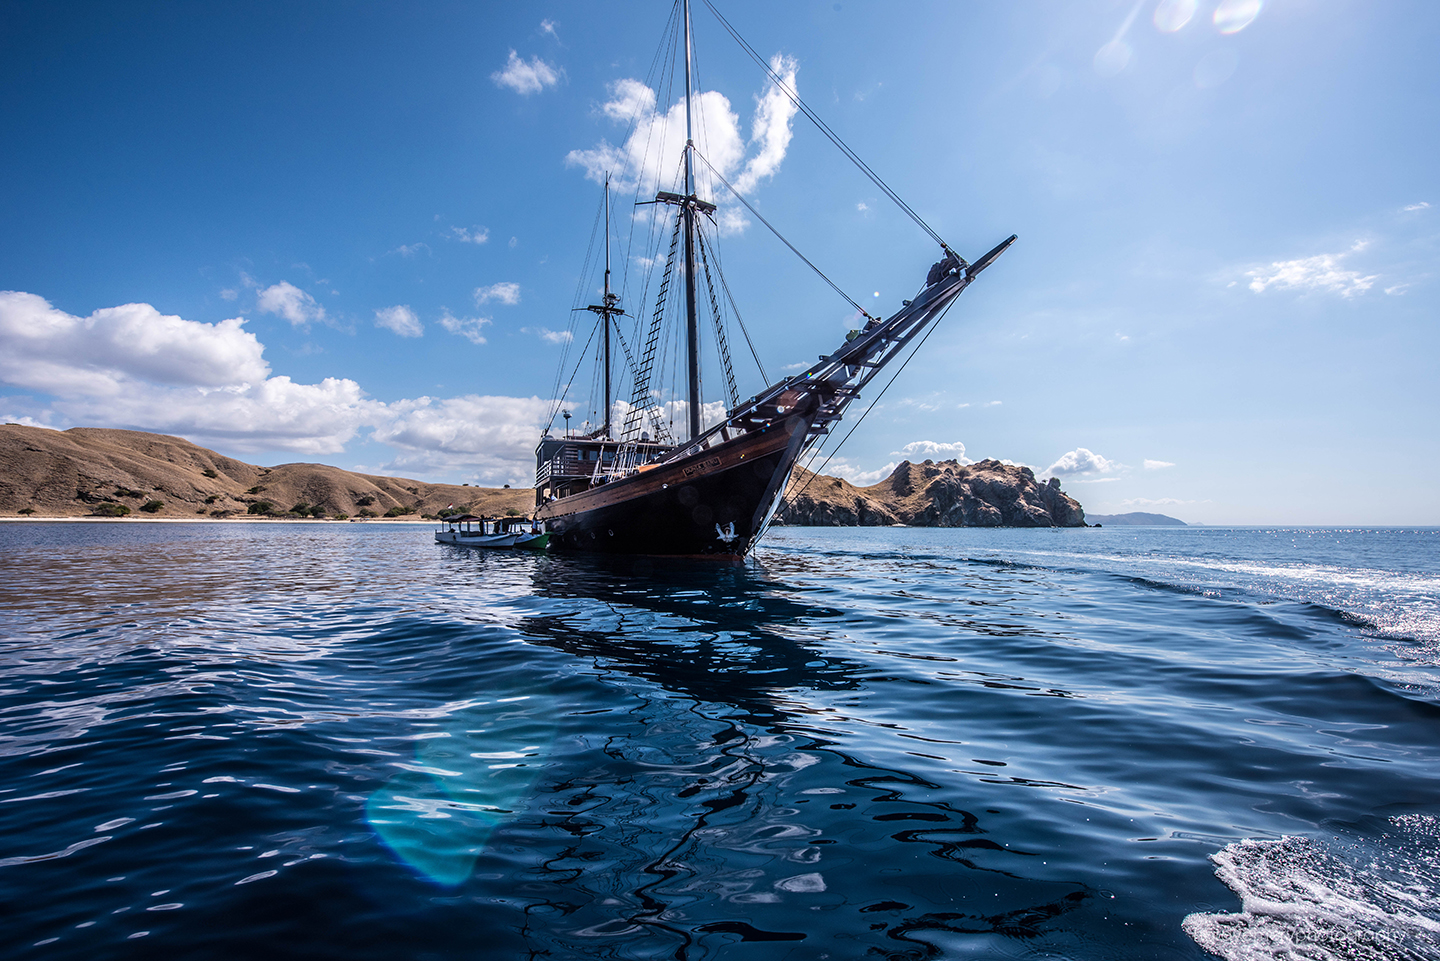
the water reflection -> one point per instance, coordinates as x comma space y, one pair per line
733, 802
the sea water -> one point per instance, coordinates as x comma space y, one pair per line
347, 741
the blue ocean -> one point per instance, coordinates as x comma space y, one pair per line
345, 741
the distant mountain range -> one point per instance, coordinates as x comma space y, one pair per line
1136, 519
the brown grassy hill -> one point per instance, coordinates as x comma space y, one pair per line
944, 494
77, 472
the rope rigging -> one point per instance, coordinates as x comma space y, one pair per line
785, 498
793, 249
824, 128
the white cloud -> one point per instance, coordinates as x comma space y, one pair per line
1397, 290
229, 293
400, 319
648, 157
496, 433
468, 327
840, 467
505, 292
1156, 502
131, 366
107, 353
475, 235
410, 250
548, 26
1321, 272
526, 77
548, 335
1081, 463
286, 300
770, 131
993, 403
1157, 464
862, 206
930, 450
1420, 206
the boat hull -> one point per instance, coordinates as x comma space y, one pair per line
465, 539
714, 503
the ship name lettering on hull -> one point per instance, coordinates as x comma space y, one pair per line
703, 467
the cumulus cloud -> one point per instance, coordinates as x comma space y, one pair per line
468, 327
1157, 464
526, 76
286, 300
1081, 463
131, 366
1420, 206
932, 450
674, 414
648, 155
400, 319
108, 352
840, 467
770, 131
474, 235
495, 436
1322, 272
505, 292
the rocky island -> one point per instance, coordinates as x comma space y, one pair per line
934, 494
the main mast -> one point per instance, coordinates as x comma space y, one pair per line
692, 325
690, 205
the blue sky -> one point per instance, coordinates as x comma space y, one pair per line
353, 233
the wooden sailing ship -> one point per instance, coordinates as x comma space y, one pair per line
713, 493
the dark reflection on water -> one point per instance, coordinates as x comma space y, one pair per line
347, 741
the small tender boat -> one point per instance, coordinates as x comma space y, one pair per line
469, 530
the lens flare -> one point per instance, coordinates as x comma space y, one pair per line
1216, 67
1232, 16
1171, 15
1112, 58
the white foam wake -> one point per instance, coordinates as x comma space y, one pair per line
1302, 899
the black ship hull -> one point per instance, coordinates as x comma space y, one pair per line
714, 503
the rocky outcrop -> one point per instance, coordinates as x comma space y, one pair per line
943, 494
88, 471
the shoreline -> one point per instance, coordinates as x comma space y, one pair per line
208, 520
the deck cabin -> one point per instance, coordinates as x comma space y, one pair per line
569, 465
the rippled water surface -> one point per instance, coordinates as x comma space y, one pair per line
346, 741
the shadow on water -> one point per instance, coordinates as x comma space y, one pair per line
726, 634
